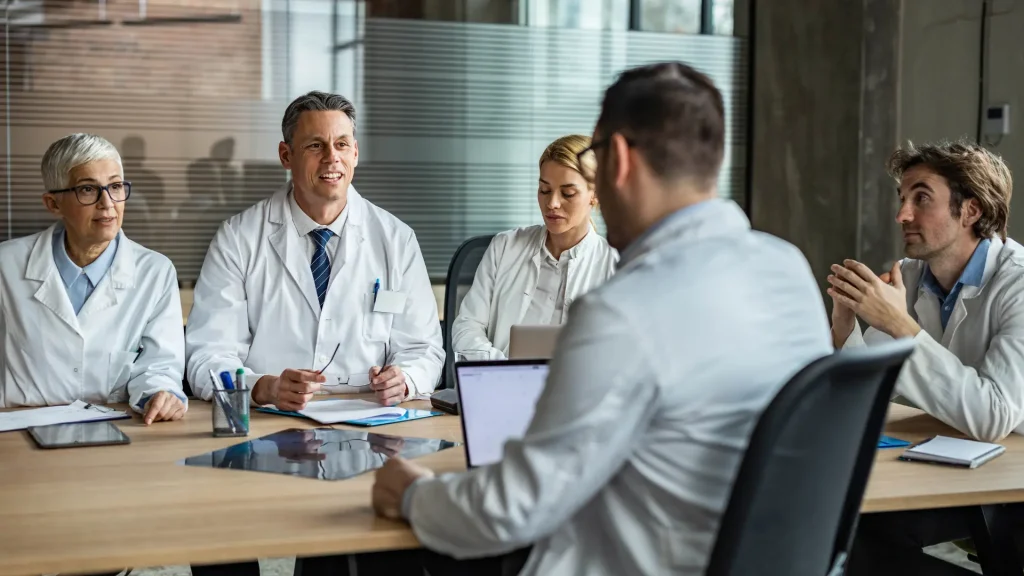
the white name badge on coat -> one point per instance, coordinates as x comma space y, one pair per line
390, 302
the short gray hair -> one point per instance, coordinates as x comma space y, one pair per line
70, 151
314, 101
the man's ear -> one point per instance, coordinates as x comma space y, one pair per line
284, 153
51, 204
970, 212
618, 152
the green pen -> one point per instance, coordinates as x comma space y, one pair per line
240, 385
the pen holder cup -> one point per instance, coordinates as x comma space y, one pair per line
230, 413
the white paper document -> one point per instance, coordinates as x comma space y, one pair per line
335, 411
77, 411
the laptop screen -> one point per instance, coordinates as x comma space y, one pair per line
496, 401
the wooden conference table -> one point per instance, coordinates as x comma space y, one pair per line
105, 508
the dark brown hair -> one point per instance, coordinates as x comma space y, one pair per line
971, 171
674, 115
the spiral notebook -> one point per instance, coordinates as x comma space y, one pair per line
953, 452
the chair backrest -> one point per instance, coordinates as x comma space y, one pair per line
460, 277
184, 380
796, 499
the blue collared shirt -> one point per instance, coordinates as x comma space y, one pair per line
971, 276
80, 282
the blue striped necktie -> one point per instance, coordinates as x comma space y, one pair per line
321, 265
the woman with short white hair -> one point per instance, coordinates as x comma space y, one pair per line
85, 313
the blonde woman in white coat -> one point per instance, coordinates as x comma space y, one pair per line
532, 275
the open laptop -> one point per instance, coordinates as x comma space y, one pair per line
496, 404
526, 341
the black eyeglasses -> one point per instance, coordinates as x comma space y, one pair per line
89, 194
597, 145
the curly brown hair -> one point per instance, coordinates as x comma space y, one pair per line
971, 171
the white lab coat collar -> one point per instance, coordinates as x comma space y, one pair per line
582, 248
926, 307
54, 296
287, 245
992, 261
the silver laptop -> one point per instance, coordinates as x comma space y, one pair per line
526, 341
496, 403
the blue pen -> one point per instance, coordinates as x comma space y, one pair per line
376, 288
225, 380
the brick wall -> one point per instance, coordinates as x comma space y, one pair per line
216, 59
181, 100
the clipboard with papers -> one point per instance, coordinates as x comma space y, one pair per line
77, 411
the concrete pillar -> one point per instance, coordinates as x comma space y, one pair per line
824, 98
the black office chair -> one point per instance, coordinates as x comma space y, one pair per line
185, 387
460, 277
797, 496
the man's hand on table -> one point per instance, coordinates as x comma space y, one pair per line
291, 391
391, 482
388, 384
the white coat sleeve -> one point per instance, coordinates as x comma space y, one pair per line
987, 402
598, 394
868, 337
217, 335
415, 339
161, 364
3, 356
469, 329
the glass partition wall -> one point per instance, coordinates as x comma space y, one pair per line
456, 100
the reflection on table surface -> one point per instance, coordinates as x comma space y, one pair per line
321, 453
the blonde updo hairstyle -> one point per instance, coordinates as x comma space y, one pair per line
565, 151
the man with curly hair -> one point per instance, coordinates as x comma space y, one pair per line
960, 295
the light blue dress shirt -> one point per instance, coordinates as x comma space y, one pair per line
971, 276
80, 282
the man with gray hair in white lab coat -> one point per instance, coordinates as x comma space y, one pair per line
659, 376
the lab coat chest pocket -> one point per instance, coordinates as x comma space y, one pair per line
119, 372
376, 325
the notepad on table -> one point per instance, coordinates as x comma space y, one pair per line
337, 411
953, 451
355, 412
77, 411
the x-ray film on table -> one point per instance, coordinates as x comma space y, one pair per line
321, 453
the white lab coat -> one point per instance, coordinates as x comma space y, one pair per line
256, 305
505, 281
970, 375
49, 356
659, 378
